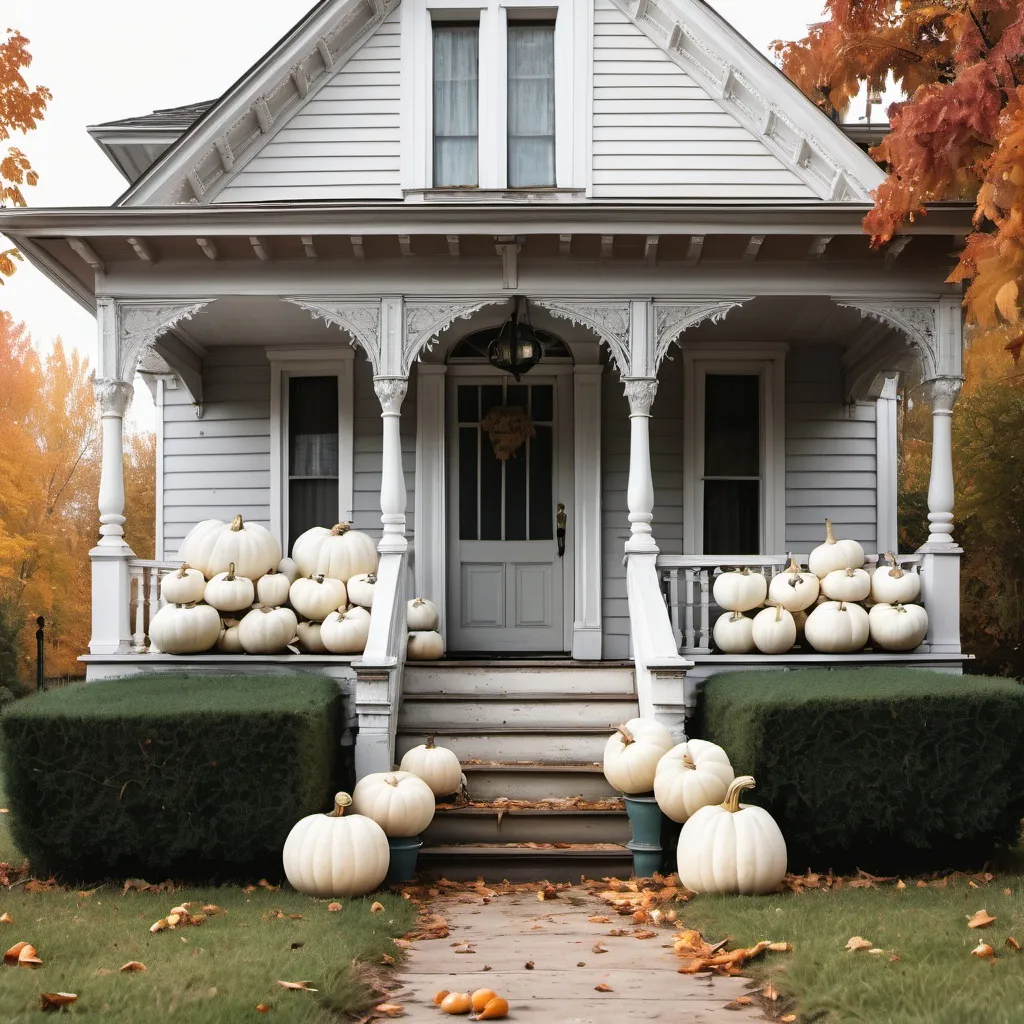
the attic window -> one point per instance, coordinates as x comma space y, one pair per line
456, 98
531, 104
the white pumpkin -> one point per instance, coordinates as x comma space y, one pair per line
898, 627
185, 628
308, 634
834, 554
892, 584
734, 633
346, 632
306, 549
427, 645
336, 854
732, 847
438, 767
774, 630
846, 585
183, 586
346, 553
632, 753
212, 546
272, 589
690, 776
793, 589
315, 597
229, 641
361, 587
266, 630
837, 628
400, 802
740, 590
422, 615
289, 568
228, 592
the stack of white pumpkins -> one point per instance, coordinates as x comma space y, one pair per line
826, 603
724, 846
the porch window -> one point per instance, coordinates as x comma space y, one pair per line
531, 104
456, 99
313, 456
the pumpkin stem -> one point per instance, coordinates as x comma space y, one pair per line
272, 572
371, 577
851, 572
236, 523
731, 803
231, 572
736, 616
183, 571
627, 736
897, 570
341, 802
340, 529
778, 612
830, 537
842, 606
319, 578
191, 604
794, 565
688, 762
430, 741
391, 780
417, 602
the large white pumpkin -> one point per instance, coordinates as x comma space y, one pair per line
361, 588
732, 847
229, 641
345, 553
690, 776
185, 628
632, 753
272, 589
289, 567
336, 854
837, 628
422, 615
774, 630
734, 633
308, 634
892, 584
267, 630
315, 597
346, 632
228, 592
898, 627
438, 767
846, 585
183, 586
306, 550
212, 545
425, 646
740, 590
793, 589
834, 554
400, 802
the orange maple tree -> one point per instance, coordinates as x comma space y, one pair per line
959, 135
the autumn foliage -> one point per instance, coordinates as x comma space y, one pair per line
959, 135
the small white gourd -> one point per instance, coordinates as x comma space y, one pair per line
837, 628
183, 586
400, 802
846, 585
892, 584
266, 630
632, 753
437, 766
691, 775
185, 628
228, 592
740, 590
315, 597
422, 615
898, 627
308, 634
834, 554
229, 641
272, 589
774, 630
734, 633
425, 646
289, 568
361, 587
793, 589
346, 632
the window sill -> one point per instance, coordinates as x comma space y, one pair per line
491, 195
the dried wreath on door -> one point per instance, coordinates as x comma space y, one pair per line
508, 427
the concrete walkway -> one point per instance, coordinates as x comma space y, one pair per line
541, 957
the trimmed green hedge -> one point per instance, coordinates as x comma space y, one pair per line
885, 769
170, 775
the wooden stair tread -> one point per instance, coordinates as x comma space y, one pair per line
532, 766
539, 812
508, 729
525, 849
532, 697
537, 663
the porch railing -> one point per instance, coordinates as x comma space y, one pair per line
144, 577
687, 582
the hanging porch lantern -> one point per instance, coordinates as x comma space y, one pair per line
516, 349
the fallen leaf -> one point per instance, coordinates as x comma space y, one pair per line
132, 967
876, 951
387, 958
6, 918
739, 1003
894, 958
619, 932
159, 926
528, 965
1007, 892
549, 892
857, 943
788, 1018
770, 992
402, 943
598, 948
263, 1007
981, 919
333, 908
264, 884
1012, 943
389, 1009
486, 967
901, 885
376, 908
644, 934
297, 945
102, 971
592, 920
27, 957
603, 988
464, 947
212, 910
581, 963
781, 947
297, 986
51, 1002
983, 950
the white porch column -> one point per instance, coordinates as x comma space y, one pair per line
640, 393
431, 528
886, 442
392, 391
585, 529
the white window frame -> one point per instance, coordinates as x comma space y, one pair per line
768, 363
315, 362
573, 88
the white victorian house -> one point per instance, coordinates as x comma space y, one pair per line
309, 271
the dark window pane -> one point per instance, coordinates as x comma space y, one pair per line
732, 425
543, 397
518, 394
468, 437
732, 516
515, 494
490, 488
469, 403
310, 503
542, 504
490, 396
313, 427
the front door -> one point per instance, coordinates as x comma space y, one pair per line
507, 581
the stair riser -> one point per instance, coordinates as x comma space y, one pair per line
528, 828
526, 869
423, 679
427, 714
510, 746
539, 785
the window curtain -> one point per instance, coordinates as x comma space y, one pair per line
312, 454
531, 105
456, 90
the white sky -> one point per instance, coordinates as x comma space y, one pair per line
109, 59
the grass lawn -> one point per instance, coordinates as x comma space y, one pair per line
208, 974
934, 981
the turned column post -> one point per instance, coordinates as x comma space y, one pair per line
391, 392
640, 393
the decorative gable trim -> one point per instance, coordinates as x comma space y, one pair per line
748, 87
198, 165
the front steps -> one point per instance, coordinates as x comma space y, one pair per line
529, 732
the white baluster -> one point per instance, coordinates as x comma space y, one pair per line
673, 603
137, 607
705, 608
691, 593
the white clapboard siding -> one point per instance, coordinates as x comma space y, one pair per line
658, 134
344, 142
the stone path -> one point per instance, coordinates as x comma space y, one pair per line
555, 935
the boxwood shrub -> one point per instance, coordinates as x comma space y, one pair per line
171, 775
887, 769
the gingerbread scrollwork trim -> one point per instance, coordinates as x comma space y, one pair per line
608, 320
360, 320
673, 319
917, 321
424, 321
139, 324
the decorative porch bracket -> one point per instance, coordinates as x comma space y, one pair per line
127, 330
673, 319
